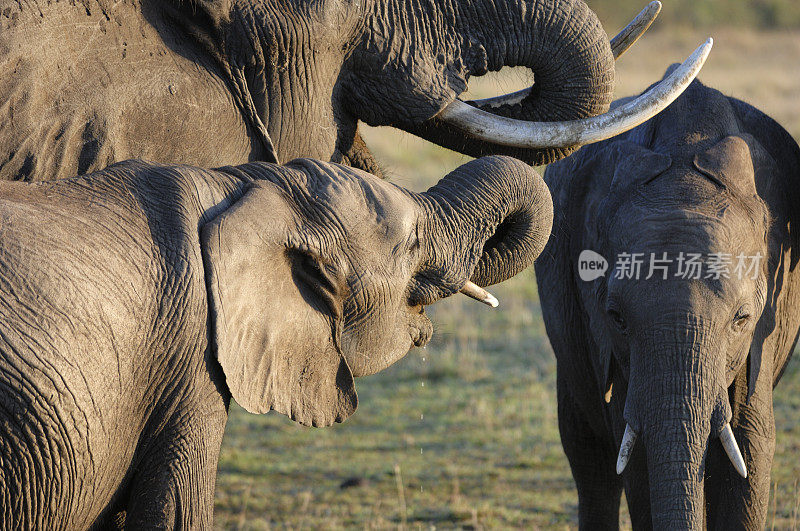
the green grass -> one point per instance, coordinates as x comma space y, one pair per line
468, 425
464, 434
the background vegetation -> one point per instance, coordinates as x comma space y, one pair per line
464, 433
757, 14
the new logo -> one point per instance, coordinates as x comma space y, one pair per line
591, 266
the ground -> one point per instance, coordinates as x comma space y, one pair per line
464, 433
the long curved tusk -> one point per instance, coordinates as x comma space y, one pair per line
479, 294
633, 31
542, 135
619, 45
626, 448
732, 449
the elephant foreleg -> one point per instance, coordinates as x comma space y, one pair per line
173, 487
592, 459
734, 502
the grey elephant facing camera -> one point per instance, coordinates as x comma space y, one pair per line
666, 363
136, 301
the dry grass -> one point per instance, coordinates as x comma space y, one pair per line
762, 68
464, 434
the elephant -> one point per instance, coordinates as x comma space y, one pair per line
86, 84
670, 294
136, 301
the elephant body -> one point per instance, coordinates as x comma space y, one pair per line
669, 356
104, 288
213, 82
136, 301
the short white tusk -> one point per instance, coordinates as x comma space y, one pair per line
541, 135
732, 449
626, 448
633, 31
479, 294
619, 45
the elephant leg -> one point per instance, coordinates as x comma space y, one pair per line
173, 487
592, 459
637, 490
734, 502
635, 477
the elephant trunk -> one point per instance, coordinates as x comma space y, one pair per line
676, 451
677, 403
486, 221
566, 48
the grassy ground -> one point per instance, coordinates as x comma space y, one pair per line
464, 433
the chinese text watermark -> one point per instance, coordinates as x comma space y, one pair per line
690, 266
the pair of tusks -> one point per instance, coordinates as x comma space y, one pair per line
542, 135
725, 437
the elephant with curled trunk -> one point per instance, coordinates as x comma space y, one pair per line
136, 301
666, 369
85, 84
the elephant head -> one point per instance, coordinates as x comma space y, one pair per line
681, 328
320, 272
692, 324
403, 63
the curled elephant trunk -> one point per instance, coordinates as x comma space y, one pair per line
486, 221
566, 48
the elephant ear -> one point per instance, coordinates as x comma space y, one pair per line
275, 313
776, 161
744, 163
225, 33
731, 163
633, 164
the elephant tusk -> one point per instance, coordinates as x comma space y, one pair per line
542, 135
633, 31
626, 448
479, 294
609, 394
732, 449
619, 45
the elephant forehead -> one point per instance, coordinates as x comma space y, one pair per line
671, 237
679, 217
370, 205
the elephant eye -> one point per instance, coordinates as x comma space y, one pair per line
618, 320
741, 319
413, 243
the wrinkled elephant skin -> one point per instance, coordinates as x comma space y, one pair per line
213, 82
665, 373
138, 300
